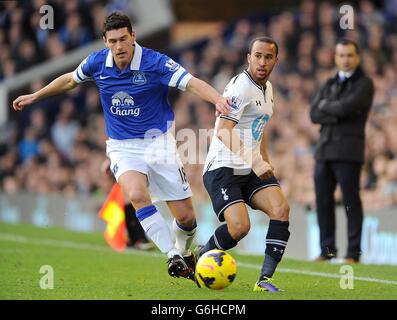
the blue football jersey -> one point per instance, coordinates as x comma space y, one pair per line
134, 100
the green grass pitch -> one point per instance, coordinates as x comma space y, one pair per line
86, 268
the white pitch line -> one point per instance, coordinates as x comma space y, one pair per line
71, 245
87, 246
319, 274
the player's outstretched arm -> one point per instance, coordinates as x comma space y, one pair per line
61, 84
208, 93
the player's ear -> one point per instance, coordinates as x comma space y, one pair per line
104, 41
133, 35
248, 57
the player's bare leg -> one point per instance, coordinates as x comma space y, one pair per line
272, 201
134, 185
227, 235
237, 219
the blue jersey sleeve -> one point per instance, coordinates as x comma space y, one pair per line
85, 70
173, 74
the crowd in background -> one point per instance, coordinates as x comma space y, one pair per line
66, 156
23, 42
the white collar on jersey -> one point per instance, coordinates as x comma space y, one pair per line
135, 62
259, 86
345, 74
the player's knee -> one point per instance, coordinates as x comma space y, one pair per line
281, 212
239, 230
188, 219
139, 198
186, 215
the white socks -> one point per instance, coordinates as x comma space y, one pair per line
157, 230
184, 237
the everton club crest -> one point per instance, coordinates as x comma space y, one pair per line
139, 78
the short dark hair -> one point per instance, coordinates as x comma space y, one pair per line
263, 39
346, 42
116, 20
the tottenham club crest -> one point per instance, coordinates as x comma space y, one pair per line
225, 196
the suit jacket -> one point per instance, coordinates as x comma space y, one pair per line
341, 108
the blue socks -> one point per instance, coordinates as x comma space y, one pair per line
276, 241
220, 240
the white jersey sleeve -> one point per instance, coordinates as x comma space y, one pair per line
84, 71
173, 74
237, 92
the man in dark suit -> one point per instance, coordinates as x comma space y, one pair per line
341, 107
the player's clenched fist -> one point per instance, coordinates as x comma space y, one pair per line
223, 105
22, 101
269, 172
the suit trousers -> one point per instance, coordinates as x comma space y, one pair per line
134, 228
327, 174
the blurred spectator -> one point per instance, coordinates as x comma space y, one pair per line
26, 55
369, 16
73, 34
55, 48
28, 147
40, 34
123, 6
39, 124
307, 16
30, 44
64, 130
11, 185
98, 16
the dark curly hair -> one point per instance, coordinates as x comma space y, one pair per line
116, 20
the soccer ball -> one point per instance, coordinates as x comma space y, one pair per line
216, 269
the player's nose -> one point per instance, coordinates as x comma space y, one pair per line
118, 46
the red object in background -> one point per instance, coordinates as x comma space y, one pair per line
113, 213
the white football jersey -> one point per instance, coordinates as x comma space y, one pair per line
251, 109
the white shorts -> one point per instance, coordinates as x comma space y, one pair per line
158, 159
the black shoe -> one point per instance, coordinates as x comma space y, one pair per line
177, 267
321, 259
325, 257
190, 260
352, 260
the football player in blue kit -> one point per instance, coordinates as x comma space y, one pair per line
133, 83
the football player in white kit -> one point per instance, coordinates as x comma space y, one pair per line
238, 170
133, 84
